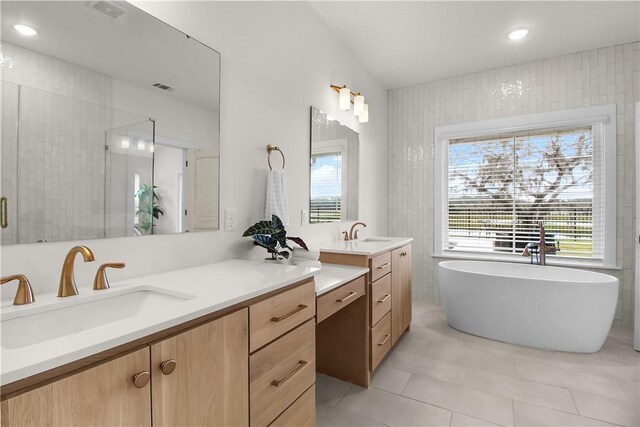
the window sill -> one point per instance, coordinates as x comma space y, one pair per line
525, 260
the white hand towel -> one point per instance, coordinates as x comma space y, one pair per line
277, 203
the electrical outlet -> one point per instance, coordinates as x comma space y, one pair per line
230, 219
304, 217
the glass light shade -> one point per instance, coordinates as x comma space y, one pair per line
364, 116
345, 98
518, 34
141, 144
125, 142
358, 104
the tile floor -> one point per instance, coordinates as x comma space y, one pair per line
437, 376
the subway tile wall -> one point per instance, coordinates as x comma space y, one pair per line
595, 77
55, 115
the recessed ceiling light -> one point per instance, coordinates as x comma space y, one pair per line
25, 30
518, 34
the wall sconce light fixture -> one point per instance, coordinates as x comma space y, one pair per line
360, 109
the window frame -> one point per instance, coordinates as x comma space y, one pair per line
578, 116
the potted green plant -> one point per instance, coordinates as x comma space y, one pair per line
272, 236
148, 208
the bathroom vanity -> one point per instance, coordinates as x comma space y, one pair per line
373, 324
236, 350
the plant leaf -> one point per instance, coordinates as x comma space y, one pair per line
281, 233
266, 240
284, 254
299, 242
261, 227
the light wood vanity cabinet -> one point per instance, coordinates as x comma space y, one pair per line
400, 291
197, 374
102, 396
199, 377
389, 296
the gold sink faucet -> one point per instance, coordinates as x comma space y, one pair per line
24, 295
67, 280
353, 234
101, 282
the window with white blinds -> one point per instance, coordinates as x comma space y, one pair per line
326, 187
497, 187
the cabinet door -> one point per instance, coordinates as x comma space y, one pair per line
210, 382
400, 291
101, 396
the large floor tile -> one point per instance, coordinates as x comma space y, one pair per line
519, 389
463, 355
618, 411
631, 390
572, 380
411, 344
426, 366
329, 416
330, 390
460, 399
461, 420
527, 414
393, 410
390, 379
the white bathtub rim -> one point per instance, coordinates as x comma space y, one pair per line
597, 278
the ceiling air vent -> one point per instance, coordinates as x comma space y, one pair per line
163, 87
108, 8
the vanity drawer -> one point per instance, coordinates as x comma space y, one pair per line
301, 414
272, 317
380, 340
380, 266
280, 373
339, 298
380, 298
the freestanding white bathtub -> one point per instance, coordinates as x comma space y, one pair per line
539, 306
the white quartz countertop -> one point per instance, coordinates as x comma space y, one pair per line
206, 289
369, 246
332, 276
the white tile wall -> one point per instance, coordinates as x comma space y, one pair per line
64, 111
596, 77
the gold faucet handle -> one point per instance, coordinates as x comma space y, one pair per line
346, 236
355, 234
101, 281
24, 295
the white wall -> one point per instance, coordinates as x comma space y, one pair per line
596, 77
278, 59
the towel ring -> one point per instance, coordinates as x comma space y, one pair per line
271, 148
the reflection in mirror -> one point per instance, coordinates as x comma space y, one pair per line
110, 124
334, 170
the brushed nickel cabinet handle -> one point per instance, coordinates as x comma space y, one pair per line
298, 309
168, 366
383, 266
301, 364
386, 297
348, 297
141, 379
386, 338
4, 215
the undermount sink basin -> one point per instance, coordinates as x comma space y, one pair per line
374, 239
38, 324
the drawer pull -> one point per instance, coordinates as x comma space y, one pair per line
348, 297
386, 338
383, 266
386, 297
141, 379
403, 254
298, 309
301, 364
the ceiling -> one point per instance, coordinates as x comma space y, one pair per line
134, 47
407, 43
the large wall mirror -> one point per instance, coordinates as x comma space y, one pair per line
110, 124
335, 152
